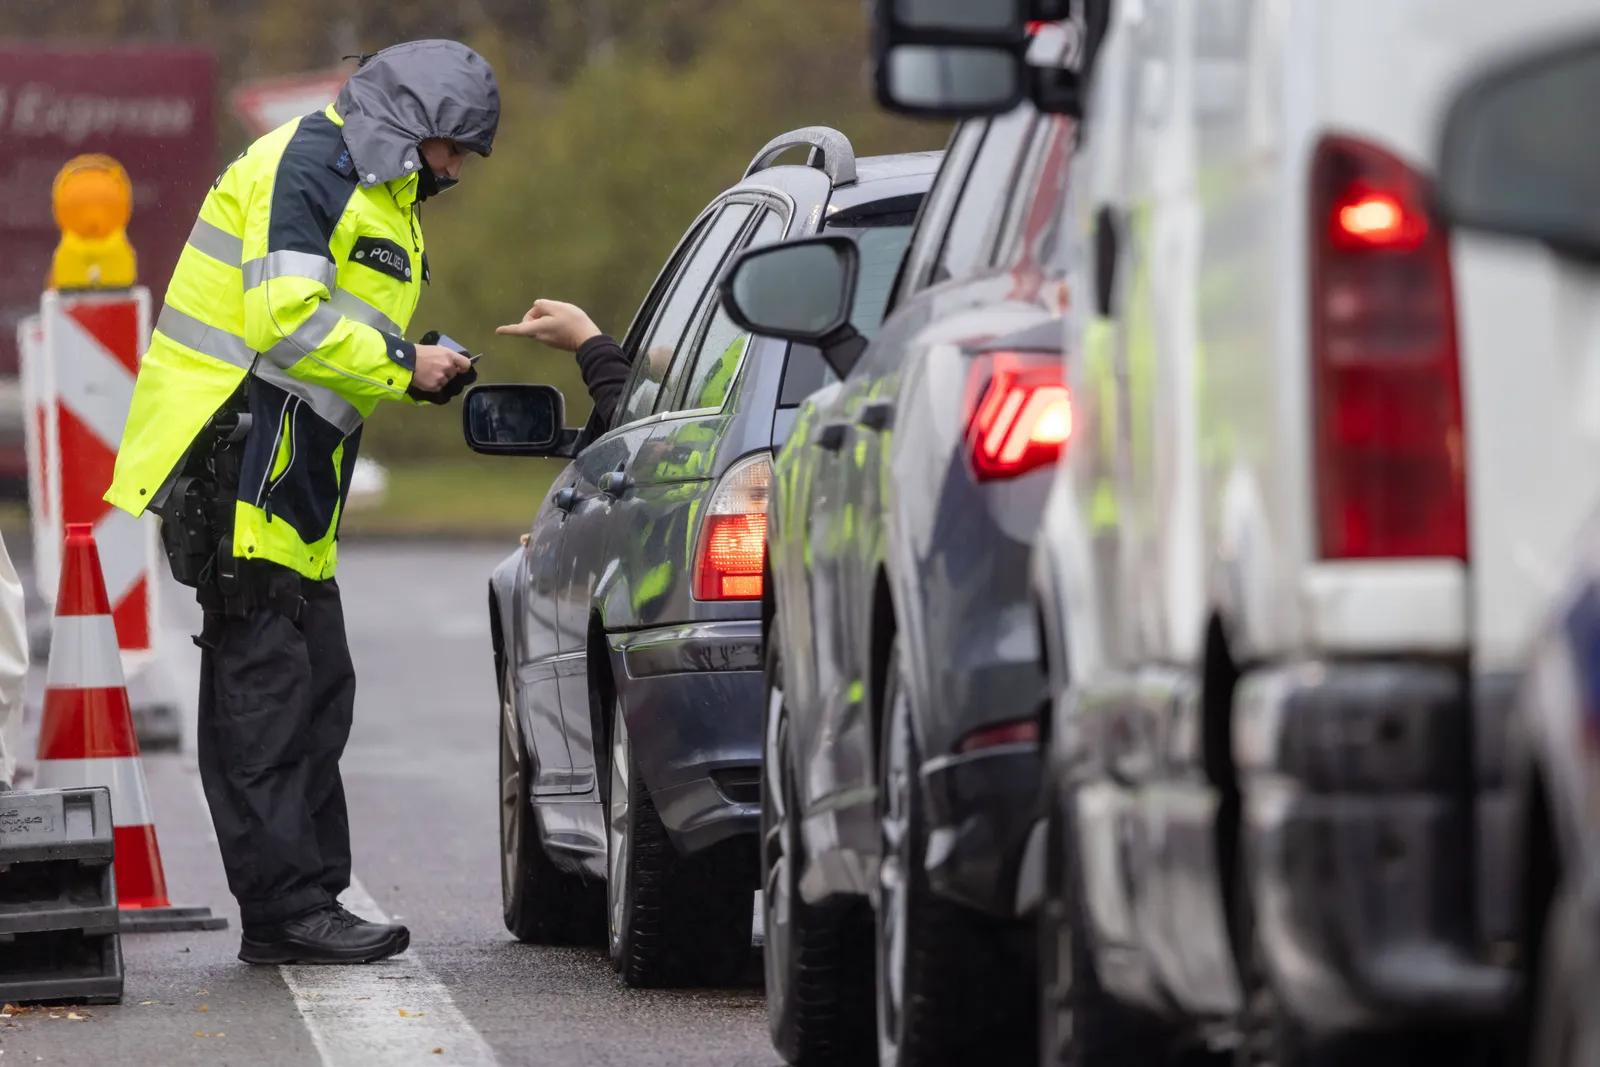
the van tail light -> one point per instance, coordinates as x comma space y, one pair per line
1389, 449
733, 539
1023, 415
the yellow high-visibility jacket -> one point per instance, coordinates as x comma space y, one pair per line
298, 281
303, 277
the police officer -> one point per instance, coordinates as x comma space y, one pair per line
284, 327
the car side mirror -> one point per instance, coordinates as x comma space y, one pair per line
799, 291
956, 59
1515, 158
516, 420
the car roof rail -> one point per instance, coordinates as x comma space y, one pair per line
831, 152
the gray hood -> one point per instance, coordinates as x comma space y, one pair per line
403, 95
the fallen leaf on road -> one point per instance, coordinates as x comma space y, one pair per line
411, 1014
438, 1052
75, 1015
144, 1002
204, 1008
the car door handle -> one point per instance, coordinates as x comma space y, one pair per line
567, 499
1107, 237
878, 415
614, 483
831, 436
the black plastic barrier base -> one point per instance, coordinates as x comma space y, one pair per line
166, 920
58, 898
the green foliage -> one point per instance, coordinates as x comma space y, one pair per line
592, 183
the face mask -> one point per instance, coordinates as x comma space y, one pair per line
430, 184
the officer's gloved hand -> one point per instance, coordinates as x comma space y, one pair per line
452, 389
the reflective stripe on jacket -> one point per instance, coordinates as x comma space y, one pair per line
303, 277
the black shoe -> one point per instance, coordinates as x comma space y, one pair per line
330, 935
353, 919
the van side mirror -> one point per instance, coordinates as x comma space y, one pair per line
516, 420
799, 291
951, 80
957, 59
1516, 158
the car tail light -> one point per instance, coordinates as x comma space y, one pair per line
1016, 732
733, 539
1390, 459
1023, 416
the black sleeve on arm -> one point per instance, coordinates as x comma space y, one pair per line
605, 367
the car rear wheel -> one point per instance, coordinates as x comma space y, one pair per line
818, 960
541, 904
1079, 1022
1565, 1033
671, 920
945, 991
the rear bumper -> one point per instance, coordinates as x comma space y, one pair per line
692, 696
1359, 796
982, 809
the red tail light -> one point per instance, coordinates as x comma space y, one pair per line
1016, 732
1390, 459
1023, 417
733, 539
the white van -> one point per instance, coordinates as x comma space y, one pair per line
1328, 457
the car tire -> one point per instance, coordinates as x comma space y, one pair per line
1079, 1022
818, 960
670, 920
541, 904
1565, 1033
945, 991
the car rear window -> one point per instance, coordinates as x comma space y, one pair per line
883, 240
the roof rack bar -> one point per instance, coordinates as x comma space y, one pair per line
831, 153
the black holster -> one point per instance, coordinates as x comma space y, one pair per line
197, 511
197, 526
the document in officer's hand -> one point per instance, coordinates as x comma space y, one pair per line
434, 337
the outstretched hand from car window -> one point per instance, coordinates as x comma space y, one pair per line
557, 324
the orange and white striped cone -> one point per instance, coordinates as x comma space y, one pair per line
87, 737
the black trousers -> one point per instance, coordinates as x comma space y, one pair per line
276, 699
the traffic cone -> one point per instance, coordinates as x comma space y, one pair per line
87, 737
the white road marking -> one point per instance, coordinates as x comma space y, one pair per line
390, 1012
354, 1014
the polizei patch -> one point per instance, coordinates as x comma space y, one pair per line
382, 254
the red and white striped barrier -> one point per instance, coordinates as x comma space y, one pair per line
87, 736
33, 376
78, 384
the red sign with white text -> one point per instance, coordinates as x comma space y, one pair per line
152, 109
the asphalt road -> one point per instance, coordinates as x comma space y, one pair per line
420, 777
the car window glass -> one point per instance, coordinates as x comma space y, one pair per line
718, 354
931, 223
992, 171
883, 240
1024, 190
654, 353
883, 244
